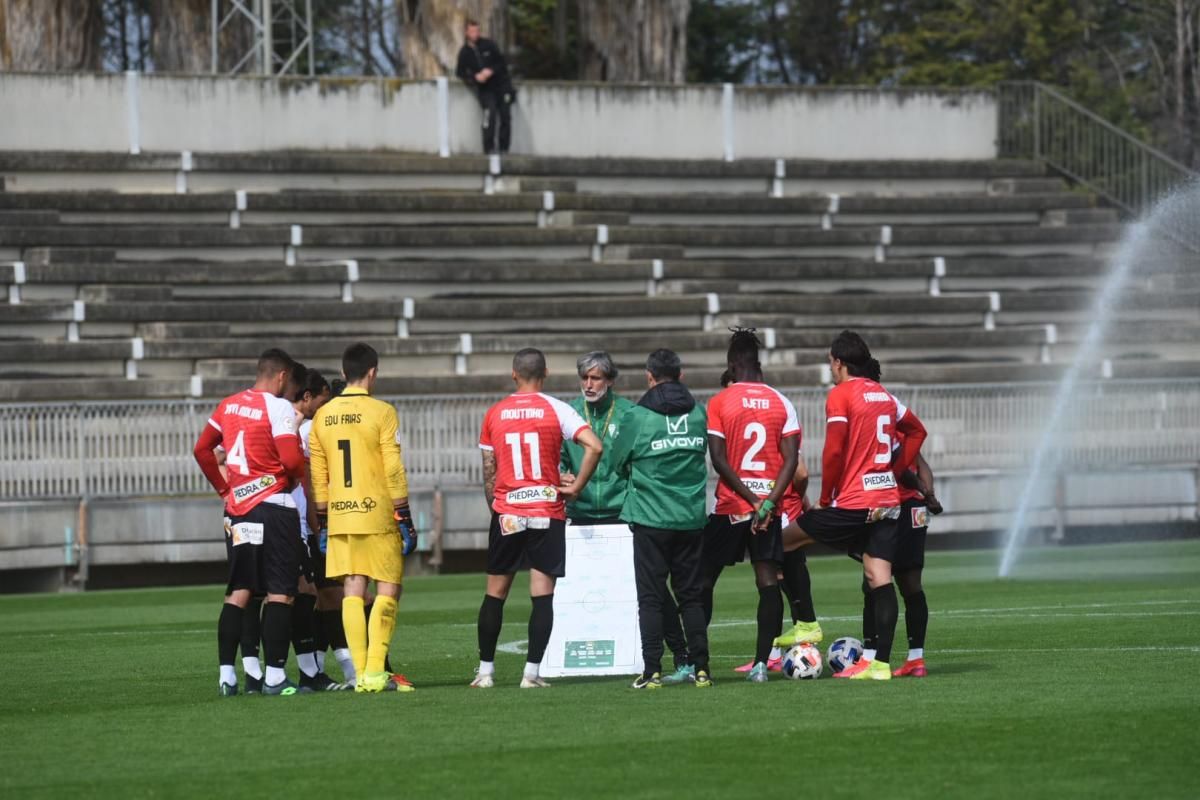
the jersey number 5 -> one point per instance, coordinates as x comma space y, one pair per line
513, 440
884, 435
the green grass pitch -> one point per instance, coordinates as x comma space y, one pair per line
1079, 679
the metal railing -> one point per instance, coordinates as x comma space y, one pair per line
1039, 122
115, 449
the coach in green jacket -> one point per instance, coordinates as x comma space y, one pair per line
660, 451
601, 500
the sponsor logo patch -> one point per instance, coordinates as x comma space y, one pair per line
533, 494
873, 481
920, 517
887, 512
677, 441
363, 506
253, 488
246, 533
677, 426
760, 486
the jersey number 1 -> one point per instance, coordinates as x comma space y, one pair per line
347, 476
513, 440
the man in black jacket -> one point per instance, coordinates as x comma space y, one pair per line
482, 68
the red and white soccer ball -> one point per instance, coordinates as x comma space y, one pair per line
802, 662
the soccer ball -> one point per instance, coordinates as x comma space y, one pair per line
844, 652
802, 662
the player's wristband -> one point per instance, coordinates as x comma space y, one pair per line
765, 509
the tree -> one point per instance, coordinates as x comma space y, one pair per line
432, 32
633, 40
181, 37
51, 35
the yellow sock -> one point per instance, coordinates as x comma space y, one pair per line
355, 624
381, 626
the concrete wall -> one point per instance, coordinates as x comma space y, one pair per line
187, 530
153, 113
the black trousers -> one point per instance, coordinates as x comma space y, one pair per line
658, 555
495, 107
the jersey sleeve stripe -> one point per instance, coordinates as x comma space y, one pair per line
213, 422
718, 434
837, 419
579, 430
483, 446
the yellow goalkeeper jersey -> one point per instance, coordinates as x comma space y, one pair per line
355, 463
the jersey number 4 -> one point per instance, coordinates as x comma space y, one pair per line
513, 440
236, 457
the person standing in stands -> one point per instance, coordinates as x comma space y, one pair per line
482, 68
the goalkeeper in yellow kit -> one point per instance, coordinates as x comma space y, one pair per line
360, 487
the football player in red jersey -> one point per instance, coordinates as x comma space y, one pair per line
521, 440
263, 461
753, 441
917, 502
860, 500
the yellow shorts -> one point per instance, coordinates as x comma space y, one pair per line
376, 555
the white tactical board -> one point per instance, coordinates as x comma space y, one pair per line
595, 606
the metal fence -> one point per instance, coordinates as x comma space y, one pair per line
1040, 122
70, 450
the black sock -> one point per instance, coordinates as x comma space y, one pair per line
787, 600
541, 622
770, 612
252, 627
304, 634
331, 625
798, 585
869, 637
277, 633
229, 633
916, 618
886, 612
491, 618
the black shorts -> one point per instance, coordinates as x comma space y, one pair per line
850, 531
315, 568
272, 567
912, 527
544, 550
726, 542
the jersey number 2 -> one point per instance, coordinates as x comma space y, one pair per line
513, 440
758, 432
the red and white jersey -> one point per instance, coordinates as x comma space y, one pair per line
303, 429
906, 493
792, 507
526, 431
753, 419
249, 422
871, 413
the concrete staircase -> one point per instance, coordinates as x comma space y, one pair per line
165, 275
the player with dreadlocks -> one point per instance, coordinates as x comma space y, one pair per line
754, 444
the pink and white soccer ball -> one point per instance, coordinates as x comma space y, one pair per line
802, 662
